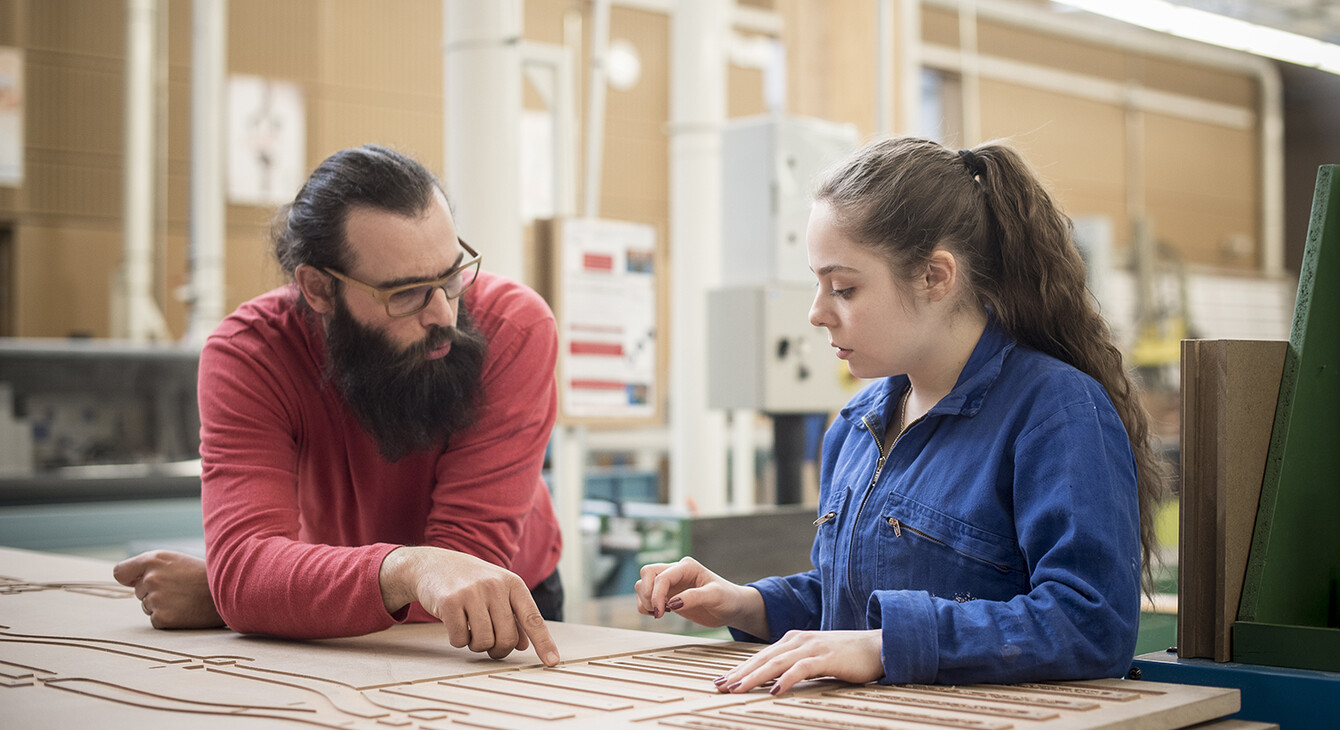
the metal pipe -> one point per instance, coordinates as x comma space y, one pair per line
134, 314
595, 107
209, 64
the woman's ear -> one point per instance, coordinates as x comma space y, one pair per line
941, 274
316, 288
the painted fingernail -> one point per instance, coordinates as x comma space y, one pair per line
675, 603
719, 681
776, 689
655, 613
735, 686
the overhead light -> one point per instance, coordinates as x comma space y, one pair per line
1219, 30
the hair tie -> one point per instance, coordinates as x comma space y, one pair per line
972, 162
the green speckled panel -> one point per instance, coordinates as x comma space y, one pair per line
1295, 555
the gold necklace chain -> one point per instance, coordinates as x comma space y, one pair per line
902, 409
901, 415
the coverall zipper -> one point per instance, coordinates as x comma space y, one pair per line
879, 467
870, 488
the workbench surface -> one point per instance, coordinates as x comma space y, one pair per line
75, 650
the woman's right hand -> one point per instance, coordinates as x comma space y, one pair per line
701, 596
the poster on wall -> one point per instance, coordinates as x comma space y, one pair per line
267, 141
607, 320
11, 117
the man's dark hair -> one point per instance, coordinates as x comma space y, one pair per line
310, 230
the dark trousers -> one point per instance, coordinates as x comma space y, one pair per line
548, 597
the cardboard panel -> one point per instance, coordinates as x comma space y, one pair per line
1228, 388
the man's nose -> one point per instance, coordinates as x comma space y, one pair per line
440, 310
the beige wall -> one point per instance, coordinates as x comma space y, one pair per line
372, 72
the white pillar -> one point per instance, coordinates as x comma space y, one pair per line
482, 107
209, 67
698, 36
134, 314
567, 474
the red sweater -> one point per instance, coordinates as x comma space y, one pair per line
300, 508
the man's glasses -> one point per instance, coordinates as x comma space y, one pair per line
407, 299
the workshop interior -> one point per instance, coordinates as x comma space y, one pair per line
645, 165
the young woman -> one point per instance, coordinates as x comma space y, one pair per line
984, 504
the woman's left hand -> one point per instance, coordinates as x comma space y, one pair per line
851, 656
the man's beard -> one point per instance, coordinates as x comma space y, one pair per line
405, 402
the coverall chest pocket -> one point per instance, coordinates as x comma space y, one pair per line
832, 514
948, 557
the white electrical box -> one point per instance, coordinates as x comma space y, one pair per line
768, 166
765, 355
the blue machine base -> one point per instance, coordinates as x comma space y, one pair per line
1295, 699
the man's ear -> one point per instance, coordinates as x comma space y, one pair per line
316, 288
941, 274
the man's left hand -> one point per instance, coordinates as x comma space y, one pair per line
172, 589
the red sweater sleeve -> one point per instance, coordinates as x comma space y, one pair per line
263, 577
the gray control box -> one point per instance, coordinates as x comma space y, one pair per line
765, 355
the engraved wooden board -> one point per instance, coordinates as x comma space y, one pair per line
75, 650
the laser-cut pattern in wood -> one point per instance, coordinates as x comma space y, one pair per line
70, 656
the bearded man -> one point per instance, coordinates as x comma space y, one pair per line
372, 434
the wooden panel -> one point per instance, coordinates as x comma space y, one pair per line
85, 27
75, 650
13, 22
1228, 392
381, 47
1043, 49
744, 88
78, 101
346, 118
636, 179
1200, 200
852, 45
1056, 134
831, 51
274, 39
1225, 87
250, 266
939, 26
804, 34
64, 283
